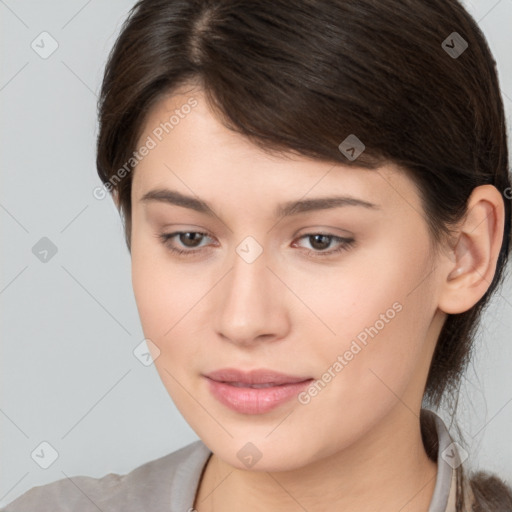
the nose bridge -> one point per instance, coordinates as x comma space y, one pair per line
250, 303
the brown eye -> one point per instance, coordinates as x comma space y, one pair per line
189, 243
186, 239
190, 238
321, 241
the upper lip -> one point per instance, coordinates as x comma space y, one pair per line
258, 376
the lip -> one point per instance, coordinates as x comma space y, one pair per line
258, 376
247, 400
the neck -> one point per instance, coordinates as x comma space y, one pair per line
387, 469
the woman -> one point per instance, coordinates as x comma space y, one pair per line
317, 206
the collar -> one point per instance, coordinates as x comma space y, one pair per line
448, 464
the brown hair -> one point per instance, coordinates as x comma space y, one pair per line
300, 77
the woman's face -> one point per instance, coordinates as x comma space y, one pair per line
261, 291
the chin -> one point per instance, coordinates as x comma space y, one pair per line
255, 453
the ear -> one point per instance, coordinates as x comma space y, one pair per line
471, 265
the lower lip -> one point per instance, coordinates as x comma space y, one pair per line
255, 400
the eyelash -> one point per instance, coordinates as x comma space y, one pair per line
345, 244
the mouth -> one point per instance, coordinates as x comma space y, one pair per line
262, 377
253, 386
255, 392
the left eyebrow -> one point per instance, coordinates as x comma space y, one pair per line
320, 203
283, 210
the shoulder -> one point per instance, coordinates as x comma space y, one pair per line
147, 487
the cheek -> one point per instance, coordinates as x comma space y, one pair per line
168, 300
161, 290
165, 307
364, 290
378, 315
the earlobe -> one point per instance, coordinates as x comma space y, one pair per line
470, 270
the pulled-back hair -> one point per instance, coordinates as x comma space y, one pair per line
300, 77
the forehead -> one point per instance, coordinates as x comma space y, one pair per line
191, 150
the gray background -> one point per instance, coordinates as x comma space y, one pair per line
70, 325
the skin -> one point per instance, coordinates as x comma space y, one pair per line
357, 444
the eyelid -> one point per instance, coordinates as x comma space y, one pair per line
344, 243
165, 237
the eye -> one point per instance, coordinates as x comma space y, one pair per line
192, 239
320, 241
189, 238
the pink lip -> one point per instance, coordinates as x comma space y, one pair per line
247, 400
259, 376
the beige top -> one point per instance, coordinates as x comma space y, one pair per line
445, 492
170, 484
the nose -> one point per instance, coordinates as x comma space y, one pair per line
252, 304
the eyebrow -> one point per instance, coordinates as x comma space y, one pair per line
283, 210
